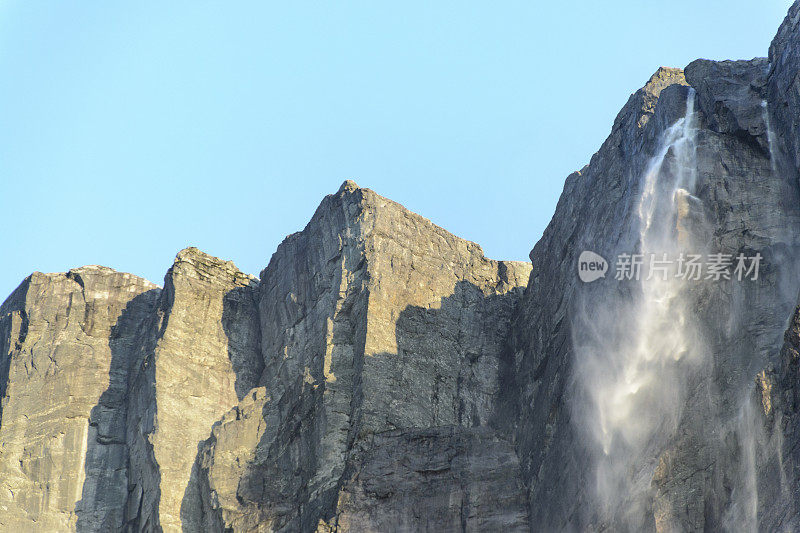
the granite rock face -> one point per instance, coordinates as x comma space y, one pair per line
110, 384
782, 87
373, 320
470, 480
199, 353
60, 336
775, 402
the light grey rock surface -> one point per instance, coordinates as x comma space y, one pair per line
198, 355
108, 386
373, 319
60, 335
370, 321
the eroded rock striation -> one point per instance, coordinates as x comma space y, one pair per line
381, 374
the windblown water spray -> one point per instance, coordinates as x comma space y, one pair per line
773, 156
742, 515
634, 372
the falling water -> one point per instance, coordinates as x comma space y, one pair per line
635, 371
756, 444
773, 159
742, 514
775, 443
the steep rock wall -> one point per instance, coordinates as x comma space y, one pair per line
384, 375
746, 200
373, 319
61, 334
198, 356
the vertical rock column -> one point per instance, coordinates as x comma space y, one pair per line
201, 358
55, 363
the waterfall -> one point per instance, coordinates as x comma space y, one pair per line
757, 444
634, 371
742, 514
773, 159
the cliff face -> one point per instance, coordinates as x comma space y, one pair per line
198, 354
110, 384
62, 387
374, 322
611, 434
222, 401
381, 374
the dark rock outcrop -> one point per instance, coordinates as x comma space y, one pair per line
470, 480
746, 199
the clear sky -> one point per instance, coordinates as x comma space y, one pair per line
132, 130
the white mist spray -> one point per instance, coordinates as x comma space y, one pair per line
634, 371
742, 514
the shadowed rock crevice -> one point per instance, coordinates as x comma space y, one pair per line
13, 330
105, 488
243, 331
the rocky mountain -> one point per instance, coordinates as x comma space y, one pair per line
227, 402
381, 374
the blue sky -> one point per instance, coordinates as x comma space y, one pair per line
132, 130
